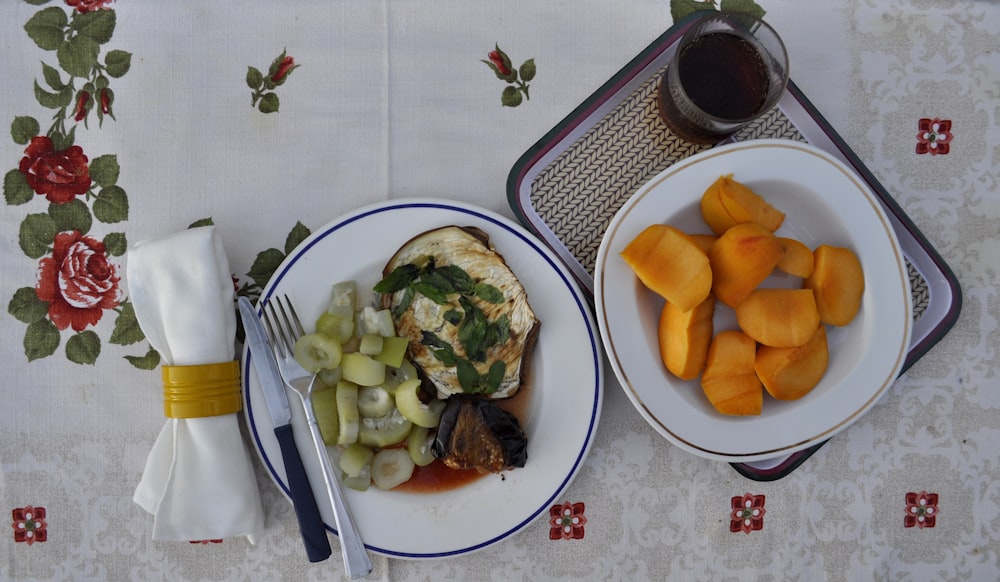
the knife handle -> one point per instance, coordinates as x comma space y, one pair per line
310, 521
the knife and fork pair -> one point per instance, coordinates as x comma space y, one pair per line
271, 351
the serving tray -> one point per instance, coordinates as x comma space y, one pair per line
569, 184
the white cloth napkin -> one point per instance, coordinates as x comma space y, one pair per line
198, 483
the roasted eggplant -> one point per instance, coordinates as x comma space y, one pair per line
475, 433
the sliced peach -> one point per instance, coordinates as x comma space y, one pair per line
669, 263
838, 282
791, 373
798, 258
781, 318
727, 203
741, 259
684, 337
729, 380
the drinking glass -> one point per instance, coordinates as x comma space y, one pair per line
728, 69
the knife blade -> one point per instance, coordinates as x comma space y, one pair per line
311, 525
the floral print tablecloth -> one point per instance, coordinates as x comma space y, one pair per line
129, 119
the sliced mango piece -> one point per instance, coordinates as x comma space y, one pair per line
791, 373
741, 259
670, 264
781, 318
798, 258
838, 283
684, 337
729, 380
727, 203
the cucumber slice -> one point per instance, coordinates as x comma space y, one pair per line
330, 376
384, 431
393, 351
361, 482
409, 404
315, 351
336, 326
418, 444
325, 407
355, 458
347, 413
377, 321
371, 344
343, 300
395, 376
374, 401
391, 467
362, 369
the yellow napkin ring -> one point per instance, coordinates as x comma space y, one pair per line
204, 390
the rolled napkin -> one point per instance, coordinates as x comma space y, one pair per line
198, 482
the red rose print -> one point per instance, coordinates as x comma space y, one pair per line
59, 176
105, 97
284, 67
82, 101
747, 513
497, 59
921, 509
83, 6
566, 521
205, 542
934, 136
77, 281
29, 525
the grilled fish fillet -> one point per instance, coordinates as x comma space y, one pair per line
470, 249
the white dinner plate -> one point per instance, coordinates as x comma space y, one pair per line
824, 203
566, 382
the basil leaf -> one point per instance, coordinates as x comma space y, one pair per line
404, 303
453, 316
459, 280
431, 292
468, 376
398, 279
435, 279
489, 293
495, 376
441, 349
472, 332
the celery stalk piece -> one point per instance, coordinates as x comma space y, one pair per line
371, 344
384, 431
409, 404
343, 299
355, 458
418, 444
393, 351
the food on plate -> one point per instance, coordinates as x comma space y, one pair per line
741, 259
684, 337
797, 260
729, 381
838, 283
780, 344
780, 318
475, 433
670, 264
727, 203
790, 373
466, 315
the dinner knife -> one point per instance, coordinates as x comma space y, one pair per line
310, 522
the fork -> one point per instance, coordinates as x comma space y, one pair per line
284, 327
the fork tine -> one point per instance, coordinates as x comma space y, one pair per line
275, 328
295, 318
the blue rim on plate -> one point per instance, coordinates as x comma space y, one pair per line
558, 302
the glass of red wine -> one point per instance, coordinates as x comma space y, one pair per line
728, 69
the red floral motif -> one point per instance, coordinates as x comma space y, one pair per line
59, 176
83, 6
921, 509
77, 281
82, 105
29, 525
496, 57
566, 521
747, 513
205, 542
934, 136
284, 67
